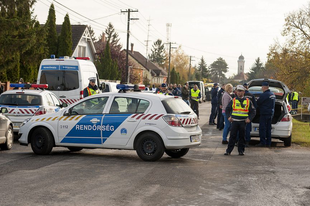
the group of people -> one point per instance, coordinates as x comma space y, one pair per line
235, 111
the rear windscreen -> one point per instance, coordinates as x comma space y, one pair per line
279, 92
20, 99
176, 106
59, 80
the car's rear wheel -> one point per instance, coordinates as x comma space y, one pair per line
288, 141
75, 149
42, 141
177, 153
150, 147
9, 139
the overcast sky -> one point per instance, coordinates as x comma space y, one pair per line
208, 28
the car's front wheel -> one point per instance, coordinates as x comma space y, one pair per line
150, 147
9, 139
288, 141
42, 141
177, 153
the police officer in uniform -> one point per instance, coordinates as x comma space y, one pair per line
265, 104
194, 97
295, 100
240, 111
163, 90
91, 89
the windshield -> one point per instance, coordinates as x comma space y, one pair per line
59, 80
20, 99
176, 106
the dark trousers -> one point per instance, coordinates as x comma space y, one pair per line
265, 129
194, 106
213, 113
236, 126
220, 119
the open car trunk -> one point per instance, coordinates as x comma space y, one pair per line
278, 114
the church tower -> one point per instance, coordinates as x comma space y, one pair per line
241, 64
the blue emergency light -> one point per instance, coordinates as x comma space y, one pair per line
29, 85
124, 86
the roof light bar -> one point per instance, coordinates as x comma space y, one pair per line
44, 86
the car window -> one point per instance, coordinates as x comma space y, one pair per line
128, 105
20, 99
258, 89
176, 106
60, 80
55, 100
49, 100
89, 106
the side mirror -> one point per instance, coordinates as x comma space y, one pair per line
4, 110
63, 105
68, 112
102, 86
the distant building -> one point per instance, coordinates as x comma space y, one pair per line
241, 76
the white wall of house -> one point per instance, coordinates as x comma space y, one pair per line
85, 48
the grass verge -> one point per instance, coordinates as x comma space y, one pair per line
301, 133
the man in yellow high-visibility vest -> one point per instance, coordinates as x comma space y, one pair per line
239, 111
194, 97
294, 99
91, 89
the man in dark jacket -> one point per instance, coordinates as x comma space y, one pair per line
240, 111
265, 104
220, 117
248, 129
214, 91
185, 93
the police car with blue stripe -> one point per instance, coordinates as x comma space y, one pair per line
27, 100
151, 124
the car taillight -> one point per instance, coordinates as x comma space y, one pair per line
40, 111
289, 108
286, 118
172, 120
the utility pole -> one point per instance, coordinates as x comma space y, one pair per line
168, 81
190, 66
128, 31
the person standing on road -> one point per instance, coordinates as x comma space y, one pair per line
91, 89
185, 93
248, 129
194, 97
214, 91
176, 91
295, 100
225, 100
220, 117
265, 104
240, 111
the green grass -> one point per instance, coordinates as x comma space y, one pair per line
301, 133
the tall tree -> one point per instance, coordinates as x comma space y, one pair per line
257, 70
65, 38
218, 70
158, 54
92, 33
112, 35
51, 31
202, 68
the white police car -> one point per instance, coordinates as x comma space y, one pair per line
151, 124
24, 103
6, 130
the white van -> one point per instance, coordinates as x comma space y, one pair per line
201, 87
67, 77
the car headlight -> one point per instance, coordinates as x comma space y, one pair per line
24, 122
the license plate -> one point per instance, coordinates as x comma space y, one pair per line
16, 125
195, 138
256, 129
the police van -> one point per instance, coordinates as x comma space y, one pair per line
67, 77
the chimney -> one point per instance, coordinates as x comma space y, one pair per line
131, 47
103, 37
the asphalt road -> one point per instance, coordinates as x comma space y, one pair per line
264, 176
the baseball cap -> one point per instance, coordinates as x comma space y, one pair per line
245, 84
240, 87
163, 85
265, 84
215, 84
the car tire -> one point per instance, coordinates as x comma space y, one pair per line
9, 139
75, 149
177, 153
150, 147
42, 141
288, 141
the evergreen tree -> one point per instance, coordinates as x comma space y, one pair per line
65, 38
173, 76
51, 31
111, 35
104, 64
257, 70
92, 33
202, 67
158, 53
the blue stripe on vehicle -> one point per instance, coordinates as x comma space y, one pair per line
69, 67
50, 67
82, 140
